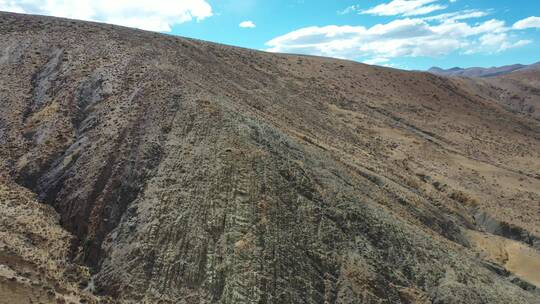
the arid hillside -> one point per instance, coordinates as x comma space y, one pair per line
518, 92
143, 168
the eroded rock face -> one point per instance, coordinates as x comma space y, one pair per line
190, 172
35, 264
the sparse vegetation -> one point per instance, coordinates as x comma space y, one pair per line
463, 198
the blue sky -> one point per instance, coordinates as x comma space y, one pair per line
408, 34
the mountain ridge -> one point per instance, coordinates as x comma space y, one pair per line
483, 72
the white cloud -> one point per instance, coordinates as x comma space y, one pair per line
405, 8
459, 15
10, 6
399, 38
350, 9
377, 60
425, 34
498, 43
247, 24
144, 14
531, 22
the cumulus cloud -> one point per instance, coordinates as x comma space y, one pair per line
247, 24
144, 14
405, 8
531, 22
496, 43
409, 37
417, 32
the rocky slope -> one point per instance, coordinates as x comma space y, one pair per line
518, 92
189, 172
35, 265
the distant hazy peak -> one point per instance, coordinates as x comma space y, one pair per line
482, 72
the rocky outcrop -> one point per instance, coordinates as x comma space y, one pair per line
491, 225
35, 263
190, 172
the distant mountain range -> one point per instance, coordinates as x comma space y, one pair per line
483, 72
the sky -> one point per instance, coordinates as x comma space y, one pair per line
405, 34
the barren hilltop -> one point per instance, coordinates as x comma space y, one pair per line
137, 167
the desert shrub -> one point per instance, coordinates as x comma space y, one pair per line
440, 186
412, 182
463, 198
